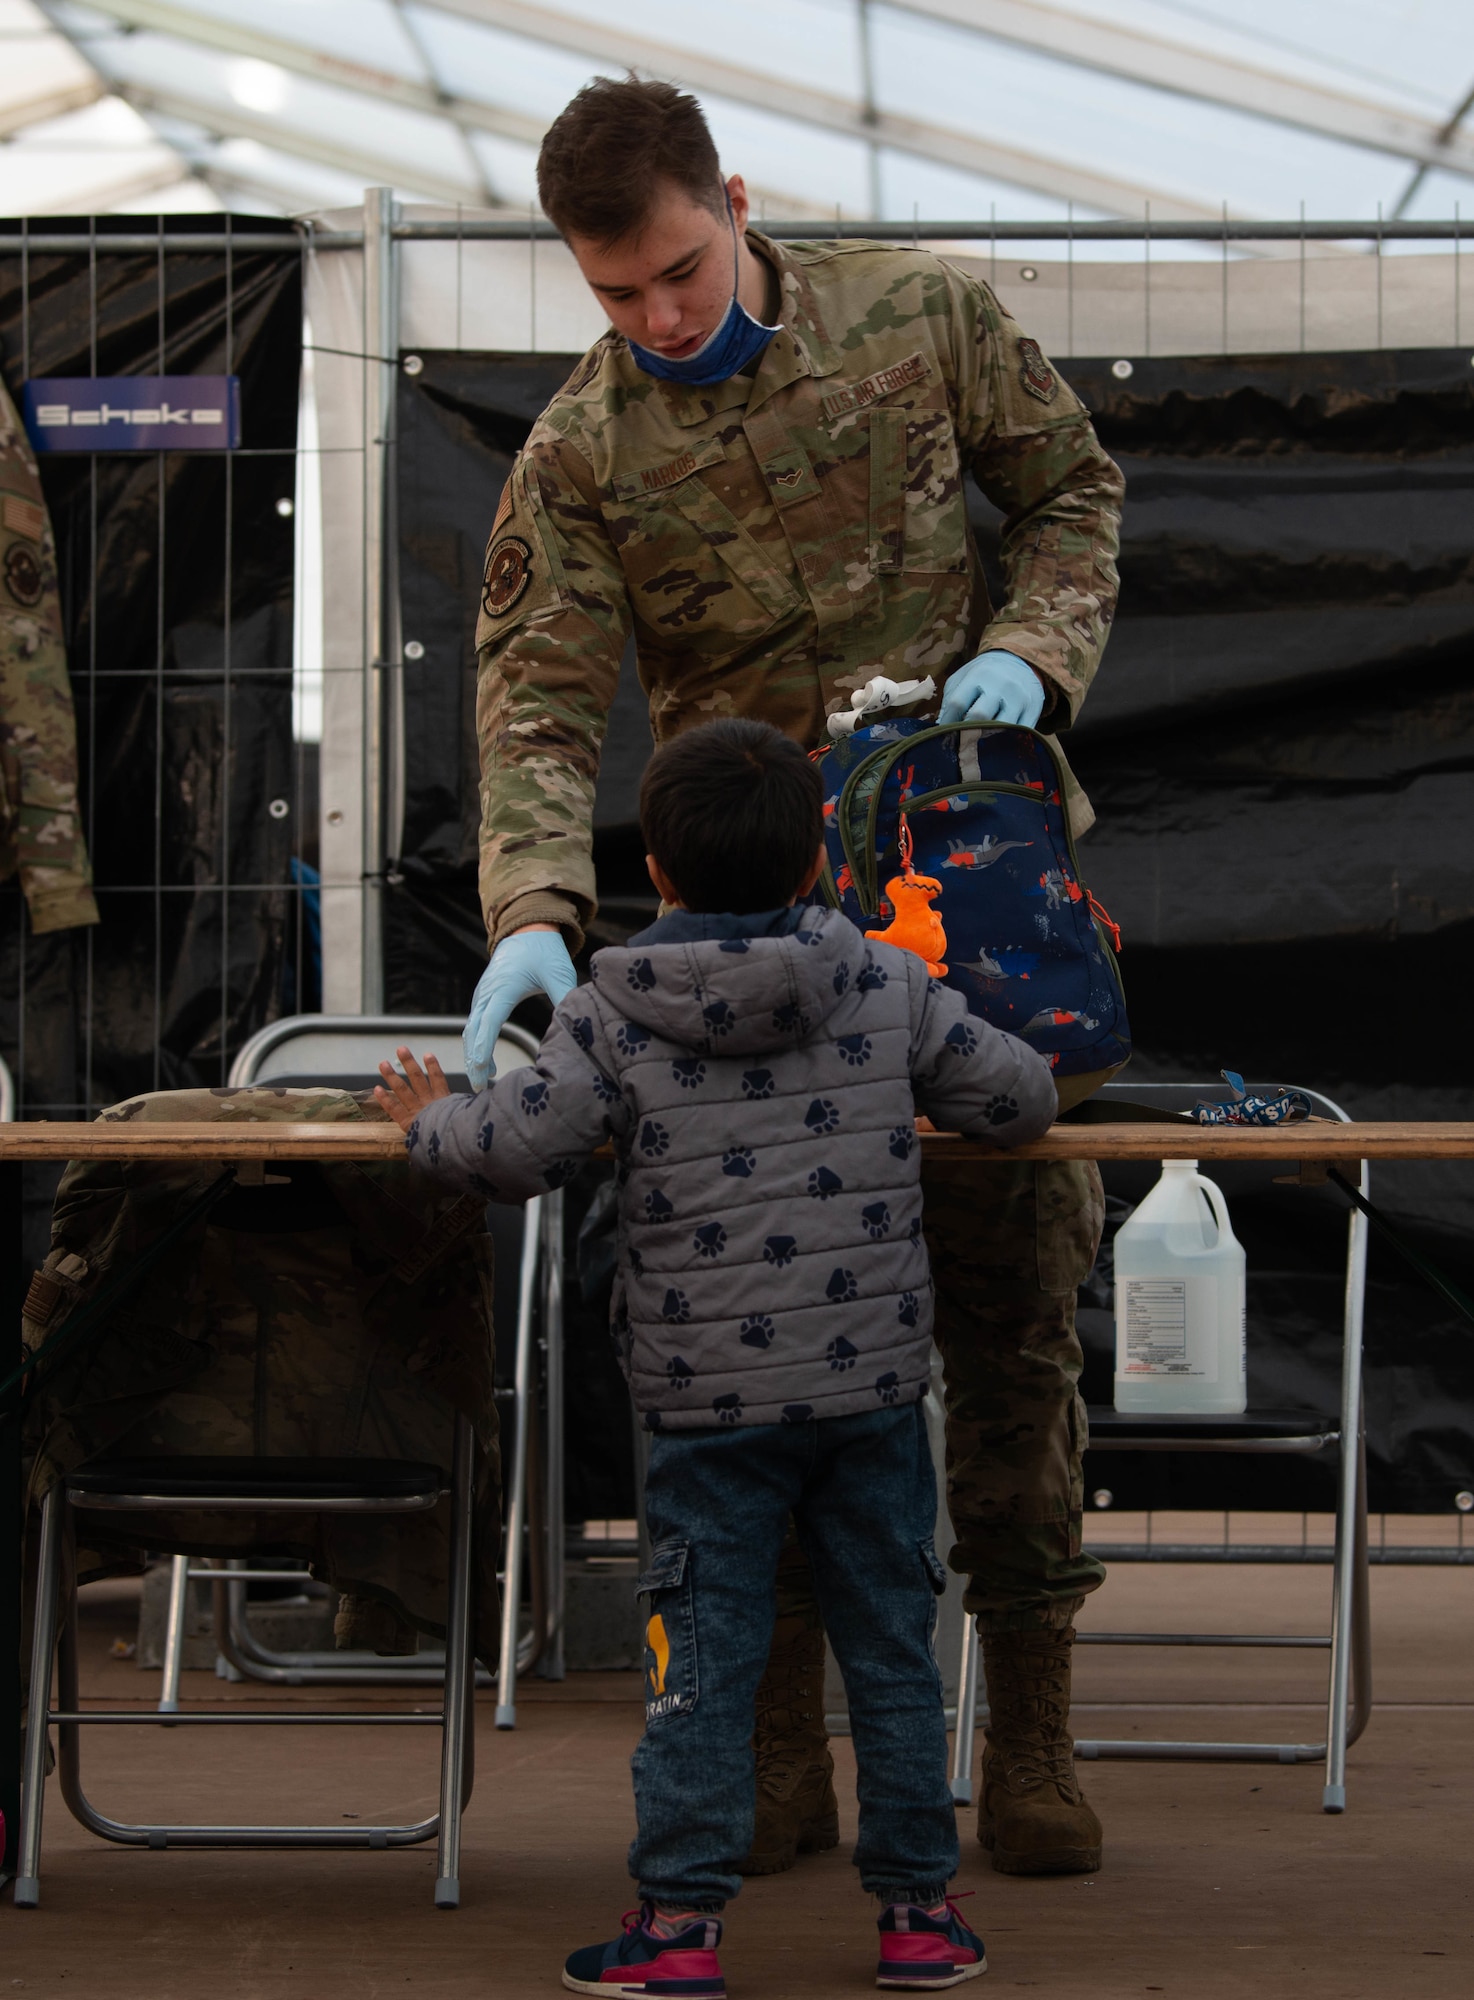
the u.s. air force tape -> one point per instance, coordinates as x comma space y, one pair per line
508, 572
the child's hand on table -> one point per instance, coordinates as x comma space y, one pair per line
407, 1095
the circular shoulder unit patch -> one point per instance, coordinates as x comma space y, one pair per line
1035, 372
22, 575
508, 572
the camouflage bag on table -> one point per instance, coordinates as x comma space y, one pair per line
344, 1312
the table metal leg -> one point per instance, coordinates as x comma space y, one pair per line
460, 1716
515, 1487
967, 1713
27, 1890
174, 1635
12, 1528
1352, 1498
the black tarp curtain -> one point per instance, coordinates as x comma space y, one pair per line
1278, 747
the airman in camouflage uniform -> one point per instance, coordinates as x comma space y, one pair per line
40, 831
773, 541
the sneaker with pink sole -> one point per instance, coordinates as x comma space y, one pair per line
641, 1964
921, 1949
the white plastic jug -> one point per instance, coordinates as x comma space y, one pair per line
1180, 1294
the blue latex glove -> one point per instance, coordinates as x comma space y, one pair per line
995, 687
526, 962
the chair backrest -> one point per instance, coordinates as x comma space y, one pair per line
343, 1051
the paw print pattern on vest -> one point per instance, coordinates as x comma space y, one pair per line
855, 1049
710, 1240
779, 1250
534, 1099
641, 975
485, 1136
824, 1184
728, 1408
888, 1386
841, 1287
719, 1018
582, 1030
908, 1309
679, 1372
677, 1308
739, 1162
871, 977
961, 1038
631, 1038
841, 976
757, 1331
841, 1354
688, 1072
757, 1083
822, 1115
654, 1139
658, 1206
876, 1217
902, 1142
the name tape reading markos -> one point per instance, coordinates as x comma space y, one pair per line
133, 412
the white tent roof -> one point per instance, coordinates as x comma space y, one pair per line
946, 108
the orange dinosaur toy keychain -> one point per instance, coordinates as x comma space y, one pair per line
916, 926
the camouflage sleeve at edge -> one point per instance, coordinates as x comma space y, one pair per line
40, 826
554, 621
1030, 444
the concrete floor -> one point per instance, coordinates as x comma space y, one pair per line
1218, 1879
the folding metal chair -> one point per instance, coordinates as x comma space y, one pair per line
343, 1051
1349, 1696
256, 1486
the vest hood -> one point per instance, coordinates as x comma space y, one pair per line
735, 996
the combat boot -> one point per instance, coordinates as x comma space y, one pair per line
1033, 1818
797, 1812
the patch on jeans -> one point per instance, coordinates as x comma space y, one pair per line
670, 1632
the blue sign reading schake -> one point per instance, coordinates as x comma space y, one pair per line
133, 412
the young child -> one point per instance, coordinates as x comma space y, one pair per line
758, 1066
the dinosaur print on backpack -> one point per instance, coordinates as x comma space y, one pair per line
953, 842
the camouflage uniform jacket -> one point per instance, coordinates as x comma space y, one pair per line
40, 833
775, 540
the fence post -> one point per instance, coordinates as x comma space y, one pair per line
382, 690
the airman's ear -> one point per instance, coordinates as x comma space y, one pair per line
741, 206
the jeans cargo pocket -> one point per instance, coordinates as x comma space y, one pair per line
671, 1682
936, 1571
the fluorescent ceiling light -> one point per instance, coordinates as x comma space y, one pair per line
259, 86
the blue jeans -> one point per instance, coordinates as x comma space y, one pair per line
862, 1493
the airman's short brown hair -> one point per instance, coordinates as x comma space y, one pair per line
605, 155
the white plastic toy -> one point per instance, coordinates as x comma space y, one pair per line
876, 697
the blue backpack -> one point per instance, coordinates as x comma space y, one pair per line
953, 841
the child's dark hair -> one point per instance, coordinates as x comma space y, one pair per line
734, 814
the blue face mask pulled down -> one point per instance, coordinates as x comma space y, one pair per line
739, 339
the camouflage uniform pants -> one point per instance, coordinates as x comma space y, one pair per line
1009, 1243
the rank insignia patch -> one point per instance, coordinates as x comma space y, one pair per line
22, 575
1035, 372
508, 572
